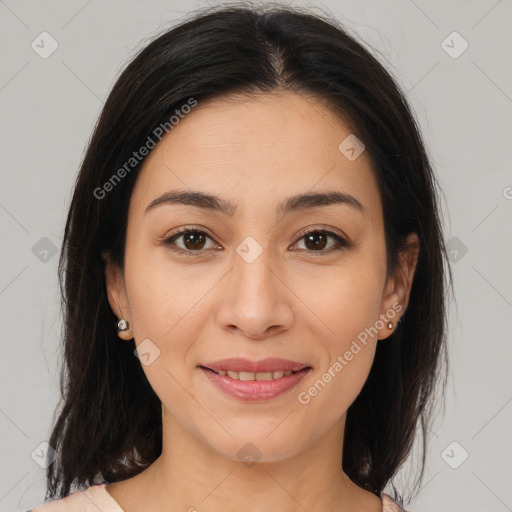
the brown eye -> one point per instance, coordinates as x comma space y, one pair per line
193, 240
317, 241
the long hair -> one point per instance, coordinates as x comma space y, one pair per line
108, 424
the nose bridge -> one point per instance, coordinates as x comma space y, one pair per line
255, 298
253, 270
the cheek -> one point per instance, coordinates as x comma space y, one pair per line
162, 293
346, 299
339, 383
160, 307
345, 364
163, 330
348, 307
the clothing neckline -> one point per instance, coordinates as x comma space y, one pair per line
388, 504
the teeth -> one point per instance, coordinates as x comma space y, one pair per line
255, 376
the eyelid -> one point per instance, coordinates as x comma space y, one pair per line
185, 229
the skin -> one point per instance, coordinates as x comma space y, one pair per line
294, 302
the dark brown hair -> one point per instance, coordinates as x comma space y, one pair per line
108, 425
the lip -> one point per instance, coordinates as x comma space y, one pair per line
265, 365
255, 390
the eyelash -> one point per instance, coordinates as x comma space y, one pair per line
342, 243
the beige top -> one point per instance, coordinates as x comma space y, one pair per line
96, 498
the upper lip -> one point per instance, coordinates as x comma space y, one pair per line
265, 365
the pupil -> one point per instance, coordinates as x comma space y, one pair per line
195, 243
316, 245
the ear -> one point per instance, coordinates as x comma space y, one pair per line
116, 293
398, 287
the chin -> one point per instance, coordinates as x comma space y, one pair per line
257, 446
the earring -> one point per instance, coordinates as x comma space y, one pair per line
123, 330
122, 325
390, 325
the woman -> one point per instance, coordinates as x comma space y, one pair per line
254, 277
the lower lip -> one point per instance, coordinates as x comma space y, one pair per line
251, 390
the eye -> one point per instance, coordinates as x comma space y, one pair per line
193, 239
315, 240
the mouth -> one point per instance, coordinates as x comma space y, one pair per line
243, 375
252, 381
245, 369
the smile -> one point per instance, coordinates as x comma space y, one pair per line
277, 374
255, 386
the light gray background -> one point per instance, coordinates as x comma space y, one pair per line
464, 105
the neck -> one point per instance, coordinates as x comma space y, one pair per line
190, 475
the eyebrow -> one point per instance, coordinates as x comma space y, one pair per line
291, 204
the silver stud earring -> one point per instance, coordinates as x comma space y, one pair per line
122, 325
390, 325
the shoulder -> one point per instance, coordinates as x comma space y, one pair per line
92, 499
389, 505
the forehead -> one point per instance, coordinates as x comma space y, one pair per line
257, 151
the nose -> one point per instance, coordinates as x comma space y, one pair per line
257, 300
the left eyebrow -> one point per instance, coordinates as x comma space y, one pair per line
317, 199
291, 204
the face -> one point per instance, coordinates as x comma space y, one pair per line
265, 277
